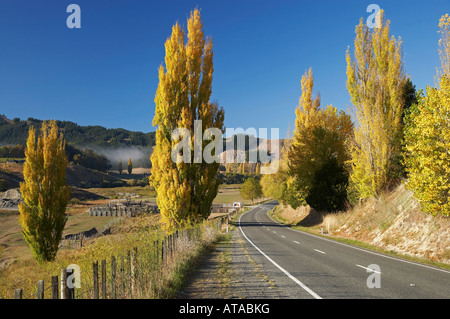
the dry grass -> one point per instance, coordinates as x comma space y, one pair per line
152, 278
14, 168
302, 216
395, 222
15, 249
17, 267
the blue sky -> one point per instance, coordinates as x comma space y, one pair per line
106, 72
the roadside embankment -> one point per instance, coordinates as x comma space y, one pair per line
392, 222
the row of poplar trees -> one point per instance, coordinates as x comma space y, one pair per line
185, 191
398, 134
129, 166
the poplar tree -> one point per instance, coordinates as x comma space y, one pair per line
130, 166
45, 192
258, 168
120, 168
375, 81
427, 138
185, 191
251, 189
320, 136
444, 44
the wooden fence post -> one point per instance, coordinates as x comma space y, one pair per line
104, 279
169, 249
128, 270
176, 239
113, 277
154, 253
163, 252
71, 288
122, 275
55, 287
64, 291
18, 294
159, 251
40, 289
171, 245
95, 278
133, 269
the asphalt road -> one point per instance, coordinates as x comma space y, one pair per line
310, 266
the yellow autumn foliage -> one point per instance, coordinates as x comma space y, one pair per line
427, 138
185, 191
44, 191
375, 81
319, 135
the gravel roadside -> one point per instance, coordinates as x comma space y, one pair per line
230, 272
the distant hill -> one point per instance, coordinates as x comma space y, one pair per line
15, 131
116, 144
11, 175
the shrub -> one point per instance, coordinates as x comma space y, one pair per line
329, 190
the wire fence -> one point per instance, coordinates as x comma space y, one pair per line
141, 272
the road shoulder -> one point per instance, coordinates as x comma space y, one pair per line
230, 272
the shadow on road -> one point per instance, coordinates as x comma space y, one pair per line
251, 224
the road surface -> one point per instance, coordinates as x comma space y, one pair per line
310, 266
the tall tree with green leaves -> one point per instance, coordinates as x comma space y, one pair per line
45, 192
185, 190
375, 81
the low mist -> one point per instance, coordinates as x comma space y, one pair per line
140, 157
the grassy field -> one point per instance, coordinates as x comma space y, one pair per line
13, 247
10, 159
229, 194
154, 279
139, 192
22, 270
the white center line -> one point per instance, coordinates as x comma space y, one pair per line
296, 242
319, 251
362, 249
283, 236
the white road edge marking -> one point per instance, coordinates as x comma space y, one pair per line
361, 249
298, 282
369, 269
319, 251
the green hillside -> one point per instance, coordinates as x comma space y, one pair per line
15, 131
